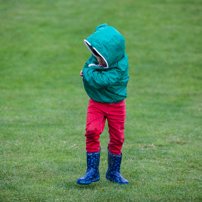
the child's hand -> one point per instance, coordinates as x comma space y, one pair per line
81, 73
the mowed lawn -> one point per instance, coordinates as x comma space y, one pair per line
43, 104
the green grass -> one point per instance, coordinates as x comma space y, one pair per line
43, 103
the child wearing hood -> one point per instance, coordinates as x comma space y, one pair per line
105, 77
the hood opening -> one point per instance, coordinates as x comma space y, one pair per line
95, 52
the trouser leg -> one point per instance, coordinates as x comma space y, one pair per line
116, 121
94, 126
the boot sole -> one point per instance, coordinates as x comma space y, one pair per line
112, 180
82, 182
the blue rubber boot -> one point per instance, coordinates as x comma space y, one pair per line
92, 173
113, 173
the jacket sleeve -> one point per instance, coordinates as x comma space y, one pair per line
101, 78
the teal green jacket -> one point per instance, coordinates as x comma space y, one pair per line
106, 84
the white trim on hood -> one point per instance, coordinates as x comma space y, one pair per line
88, 44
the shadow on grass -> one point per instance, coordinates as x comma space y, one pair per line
103, 183
75, 185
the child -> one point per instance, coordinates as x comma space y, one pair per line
105, 77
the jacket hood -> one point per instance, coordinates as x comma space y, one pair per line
108, 43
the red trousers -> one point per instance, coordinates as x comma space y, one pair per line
97, 113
